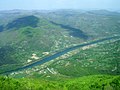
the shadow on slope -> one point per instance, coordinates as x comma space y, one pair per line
1, 28
73, 31
31, 21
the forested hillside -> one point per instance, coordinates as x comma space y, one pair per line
85, 83
29, 37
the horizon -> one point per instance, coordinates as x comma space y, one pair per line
61, 9
110, 5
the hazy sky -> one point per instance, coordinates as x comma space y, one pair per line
59, 4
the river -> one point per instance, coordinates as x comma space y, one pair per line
58, 54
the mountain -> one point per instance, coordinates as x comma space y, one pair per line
29, 37
23, 22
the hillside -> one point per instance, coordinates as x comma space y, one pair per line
28, 37
23, 22
19, 45
99, 58
51, 32
98, 82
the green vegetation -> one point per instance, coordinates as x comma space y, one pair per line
26, 41
95, 24
100, 58
97, 59
29, 36
97, 82
23, 22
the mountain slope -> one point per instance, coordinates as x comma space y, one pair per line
29, 36
23, 22
98, 82
26, 41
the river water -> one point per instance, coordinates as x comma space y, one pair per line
58, 54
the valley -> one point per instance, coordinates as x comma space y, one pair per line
58, 54
60, 49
